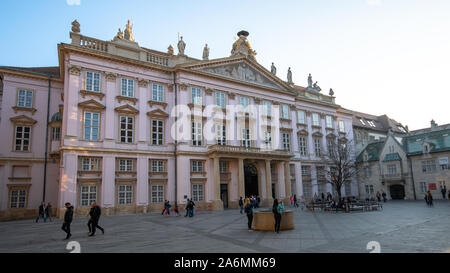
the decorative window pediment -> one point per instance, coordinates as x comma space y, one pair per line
23, 120
127, 109
317, 134
91, 105
158, 114
302, 132
333, 136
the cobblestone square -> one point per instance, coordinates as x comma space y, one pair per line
402, 226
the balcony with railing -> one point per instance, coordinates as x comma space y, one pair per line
227, 149
394, 176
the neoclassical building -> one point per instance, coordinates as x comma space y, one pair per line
130, 127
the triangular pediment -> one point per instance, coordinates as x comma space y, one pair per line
127, 109
241, 69
91, 104
158, 114
23, 120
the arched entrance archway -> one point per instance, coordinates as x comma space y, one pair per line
397, 192
251, 180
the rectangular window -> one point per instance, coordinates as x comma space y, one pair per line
17, 199
125, 165
197, 166
127, 88
341, 126
197, 192
157, 193
56, 133
244, 102
423, 187
306, 170
88, 195
25, 98
157, 132
221, 134
158, 166
267, 108
126, 129
320, 188
246, 142
329, 122
197, 133
303, 148
443, 162
92, 82
369, 190
286, 140
91, 126
220, 99
22, 138
317, 147
315, 119
392, 169
89, 164
306, 190
125, 194
331, 145
223, 166
285, 111
157, 92
301, 117
267, 140
428, 166
196, 96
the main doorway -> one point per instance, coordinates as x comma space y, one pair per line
224, 195
397, 192
251, 180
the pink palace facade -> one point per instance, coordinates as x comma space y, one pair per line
113, 136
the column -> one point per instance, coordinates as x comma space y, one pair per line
298, 179
216, 179
269, 199
287, 180
241, 177
68, 182
142, 191
109, 114
142, 117
108, 183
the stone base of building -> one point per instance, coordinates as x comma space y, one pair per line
22, 214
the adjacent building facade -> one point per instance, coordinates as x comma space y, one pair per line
130, 127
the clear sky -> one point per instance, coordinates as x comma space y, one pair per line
379, 56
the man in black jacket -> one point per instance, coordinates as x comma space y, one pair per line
68, 216
95, 213
41, 213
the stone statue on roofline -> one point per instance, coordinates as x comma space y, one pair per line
317, 87
289, 76
76, 27
128, 33
119, 34
331, 92
170, 50
181, 46
242, 46
273, 69
206, 52
310, 81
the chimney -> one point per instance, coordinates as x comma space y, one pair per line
433, 124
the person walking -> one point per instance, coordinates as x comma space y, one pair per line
187, 208
249, 211
295, 201
378, 196
430, 198
68, 216
384, 197
280, 209
448, 194
191, 210
48, 211
167, 207
95, 213
41, 213
177, 212
443, 191
291, 201
241, 205
275, 213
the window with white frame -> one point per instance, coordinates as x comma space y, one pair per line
17, 198
92, 82
302, 146
126, 129
443, 162
91, 126
244, 102
56, 133
158, 166
329, 122
286, 140
127, 88
125, 194
22, 138
197, 166
330, 145
315, 119
267, 108
221, 134
157, 193
285, 111
88, 195
157, 92
320, 188
197, 134
90, 164
428, 166
246, 140
197, 192
423, 187
196, 96
220, 99
317, 146
306, 190
25, 98
267, 140
157, 132
341, 126
125, 165
369, 190
301, 117
392, 169
306, 170
223, 166
367, 172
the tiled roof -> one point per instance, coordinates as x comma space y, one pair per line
50, 70
438, 139
391, 157
377, 123
373, 151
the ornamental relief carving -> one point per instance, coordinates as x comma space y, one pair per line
111, 76
75, 70
143, 83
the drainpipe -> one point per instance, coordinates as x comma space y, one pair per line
176, 136
46, 138
412, 178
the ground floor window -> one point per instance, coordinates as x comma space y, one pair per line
423, 187
307, 190
197, 192
17, 199
369, 190
157, 193
88, 195
125, 194
320, 189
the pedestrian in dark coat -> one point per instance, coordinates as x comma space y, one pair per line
249, 211
41, 213
94, 213
68, 216
443, 191
384, 197
48, 211
276, 216
429, 198
188, 207
241, 204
